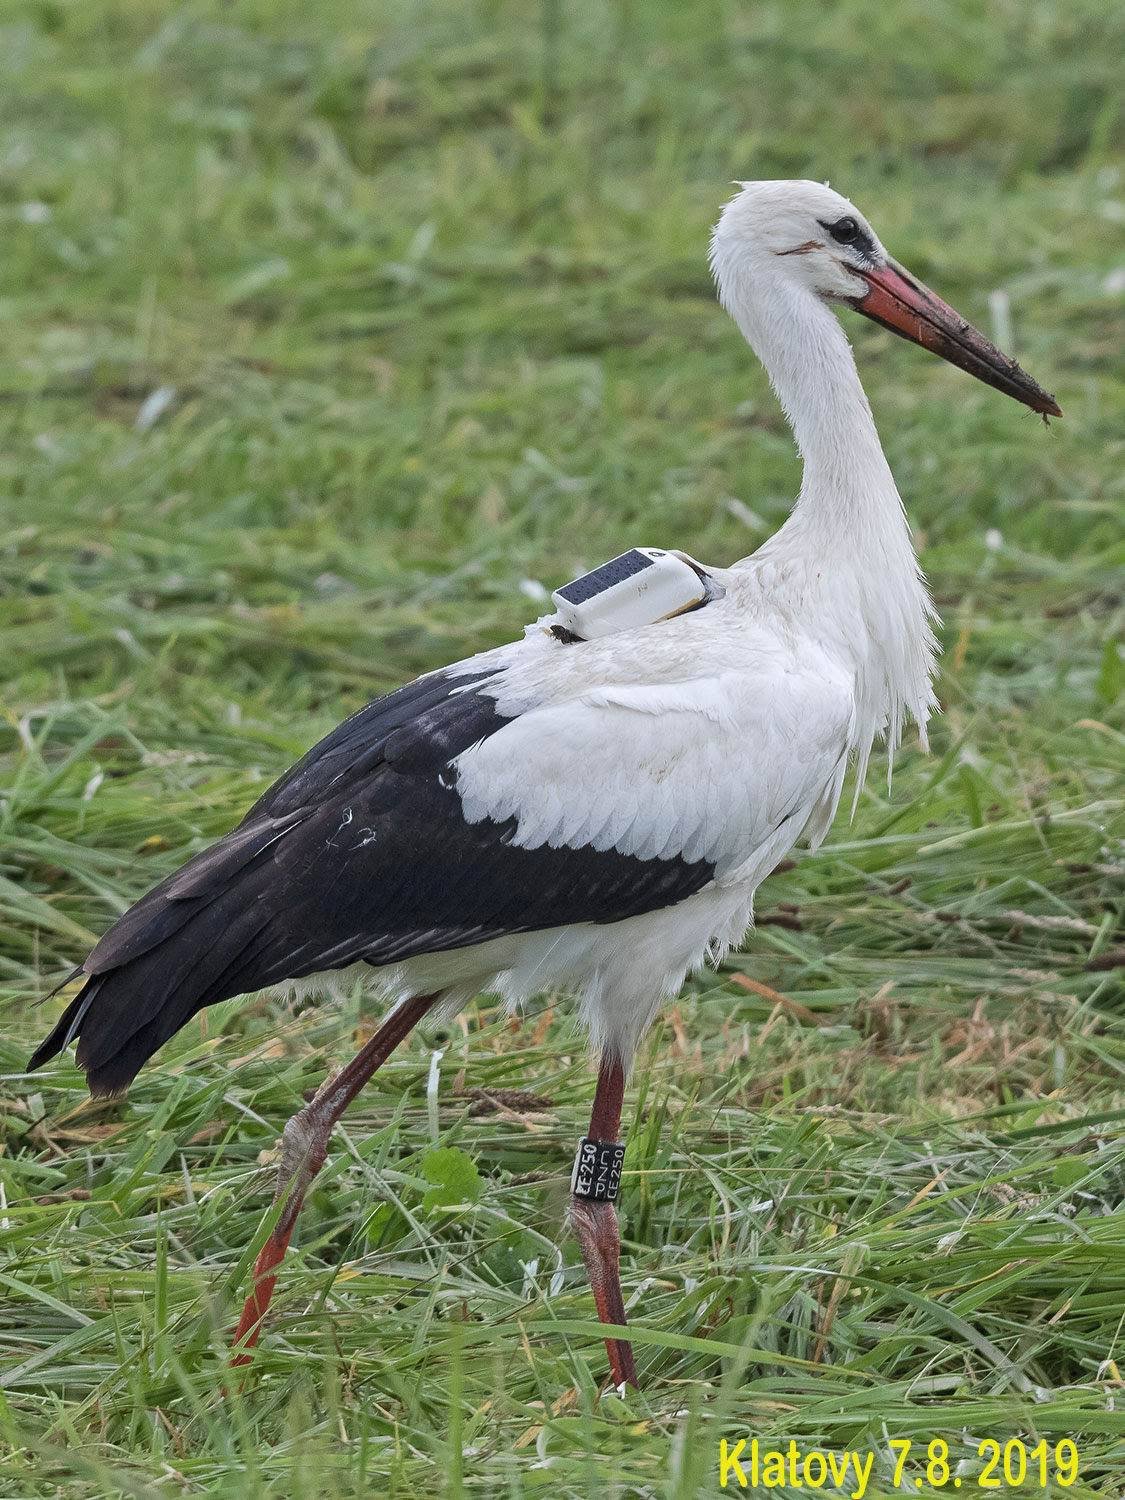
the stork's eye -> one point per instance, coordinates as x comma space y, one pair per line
845, 231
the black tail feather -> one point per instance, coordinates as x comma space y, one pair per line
66, 1027
174, 952
111, 1053
122, 1017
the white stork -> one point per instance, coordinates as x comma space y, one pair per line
590, 808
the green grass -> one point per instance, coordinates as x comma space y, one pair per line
426, 284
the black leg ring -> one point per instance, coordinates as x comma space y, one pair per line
597, 1170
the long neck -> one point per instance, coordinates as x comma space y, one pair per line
848, 496
845, 554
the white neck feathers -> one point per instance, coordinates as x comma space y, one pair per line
845, 553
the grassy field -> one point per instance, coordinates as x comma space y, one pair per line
333, 334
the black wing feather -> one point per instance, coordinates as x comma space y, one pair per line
360, 852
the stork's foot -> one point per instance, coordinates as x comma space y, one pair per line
599, 1237
304, 1146
594, 1187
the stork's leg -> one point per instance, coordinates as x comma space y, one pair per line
597, 1175
304, 1146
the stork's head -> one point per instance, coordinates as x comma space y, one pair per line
777, 239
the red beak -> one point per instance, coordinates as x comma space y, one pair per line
910, 309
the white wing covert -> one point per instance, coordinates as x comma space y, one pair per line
704, 768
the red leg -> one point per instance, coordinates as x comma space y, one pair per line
304, 1146
595, 1224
